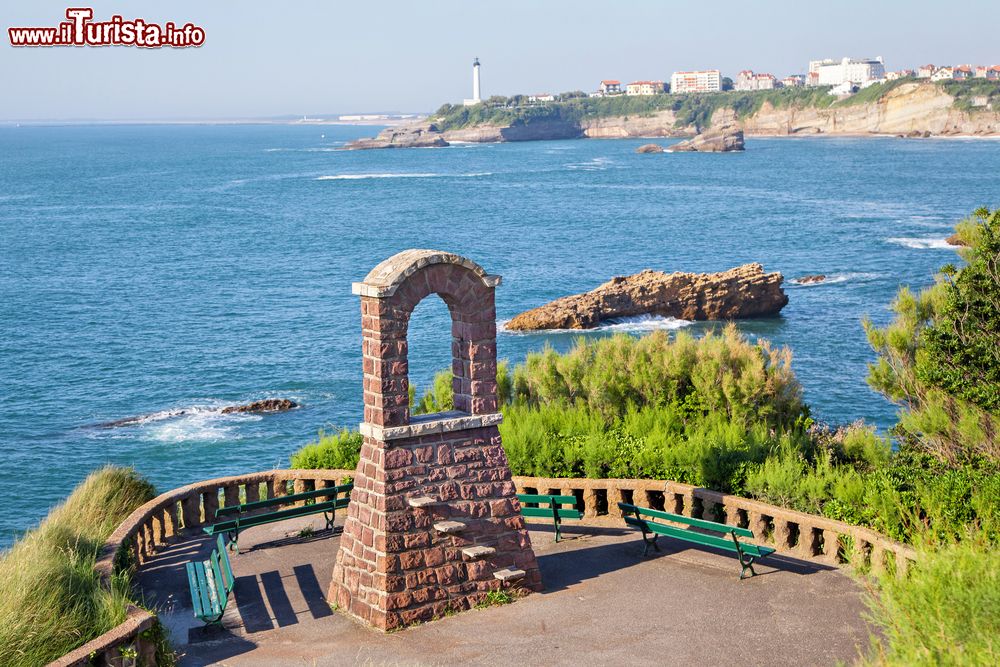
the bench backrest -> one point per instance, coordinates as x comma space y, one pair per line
538, 498
221, 568
284, 500
680, 518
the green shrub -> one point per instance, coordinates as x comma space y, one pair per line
51, 600
946, 612
939, 356
334, 451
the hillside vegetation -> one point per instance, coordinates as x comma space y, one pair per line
51, 599
689, 109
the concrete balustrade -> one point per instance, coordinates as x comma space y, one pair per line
796, 534
182, 512
170, 516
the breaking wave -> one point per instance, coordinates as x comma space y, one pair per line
635, 324
202, 422
357, 177
834, 278
922, 243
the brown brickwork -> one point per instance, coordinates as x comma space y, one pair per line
398, 562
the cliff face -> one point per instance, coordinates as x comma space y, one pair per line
660, 124
915, 108
534, 131
910, 108
745, 291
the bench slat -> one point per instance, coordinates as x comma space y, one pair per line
261, 519
221, 590
203, 592
229, 581
708, 540
546, 512
195, 588
284, 500
680, 518
543, 498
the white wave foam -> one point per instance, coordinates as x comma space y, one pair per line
922, 243
636, 324
197, 425
644, 323
356, 177
594, 164
834, 278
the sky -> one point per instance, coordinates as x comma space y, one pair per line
316, 58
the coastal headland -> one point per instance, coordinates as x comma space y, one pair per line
906, 107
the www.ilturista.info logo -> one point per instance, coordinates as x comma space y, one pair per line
80, 30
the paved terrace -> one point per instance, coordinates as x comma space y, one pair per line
604, 604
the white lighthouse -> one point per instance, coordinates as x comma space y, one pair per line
476, 97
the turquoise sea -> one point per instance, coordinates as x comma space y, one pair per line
166, 271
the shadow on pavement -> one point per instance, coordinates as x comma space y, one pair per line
562, 569
311, 591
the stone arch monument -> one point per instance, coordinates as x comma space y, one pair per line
434, 523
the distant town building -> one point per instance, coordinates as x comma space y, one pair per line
845, 88
610, 87
945, 73
847, 70
747, 80
542, 97
988, 72
703, 81
926, 71
644, 88
794, 81
476, 91
962, 72
901, 74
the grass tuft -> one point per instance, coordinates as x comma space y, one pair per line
51, 600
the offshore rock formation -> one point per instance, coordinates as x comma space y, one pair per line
422, 135
649, 148
744, 291
266, 405
807, 280
724, 139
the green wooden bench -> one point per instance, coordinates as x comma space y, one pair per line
531, 505
247, 515
211, 582
725, 537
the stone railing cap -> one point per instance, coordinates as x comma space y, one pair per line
387, 276
438, 422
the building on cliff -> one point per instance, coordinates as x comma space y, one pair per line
747, 80
703, 81
847, 70
610, 87
645, 88
794, 81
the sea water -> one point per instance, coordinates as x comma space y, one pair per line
163, 272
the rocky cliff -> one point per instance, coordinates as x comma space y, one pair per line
910, 109
420, 135
745, 291
725, 138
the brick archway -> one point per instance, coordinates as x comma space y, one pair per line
434, 523
389, 294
